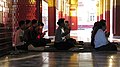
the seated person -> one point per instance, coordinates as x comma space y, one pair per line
40, 35
60, 42
27, 34
32, 33
94, 30
35, 35
67, 28
19, 38
100, 40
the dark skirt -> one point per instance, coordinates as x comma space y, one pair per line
108, 47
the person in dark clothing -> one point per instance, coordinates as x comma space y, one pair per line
27, 34
28, 23
60, 42
33, 33
95, 28
40, 35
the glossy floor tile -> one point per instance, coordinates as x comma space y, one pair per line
62, 59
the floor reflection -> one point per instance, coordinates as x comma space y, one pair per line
62, 59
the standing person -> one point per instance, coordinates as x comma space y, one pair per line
100, 40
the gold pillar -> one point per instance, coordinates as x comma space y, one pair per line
101, 9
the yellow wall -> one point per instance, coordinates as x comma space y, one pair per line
101, 6
73, 7
51, 3
97, 7
107, 5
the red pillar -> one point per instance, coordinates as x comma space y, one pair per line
117, 18
114, 18
39, 10
51, 17
107, 15
73, 22
73, 15
60, 14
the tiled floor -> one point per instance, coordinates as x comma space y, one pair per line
62, 59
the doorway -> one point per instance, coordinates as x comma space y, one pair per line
87, 15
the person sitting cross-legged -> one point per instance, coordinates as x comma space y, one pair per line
100, 40
61, 43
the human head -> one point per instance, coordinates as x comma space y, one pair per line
103, 24
66, 21
28, 23
40, 24
21, 24
96, 24
34, 23
61, 22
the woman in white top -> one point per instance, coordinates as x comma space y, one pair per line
100, 40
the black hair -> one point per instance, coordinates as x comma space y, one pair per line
28, 21
22, 22
34, 21
103, 22
96, 24
40, 24
60, 21
66, 21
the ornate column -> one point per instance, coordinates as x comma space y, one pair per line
73, 14
107, 15
116, 18
101, 8
51, 17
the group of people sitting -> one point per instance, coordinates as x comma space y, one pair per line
99, 37
31, 32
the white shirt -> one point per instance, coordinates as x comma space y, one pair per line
58, 34
100, 39
19, 33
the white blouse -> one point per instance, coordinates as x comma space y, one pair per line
100, 39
